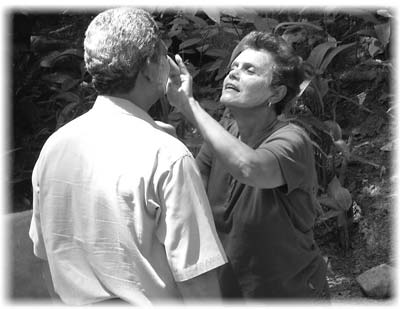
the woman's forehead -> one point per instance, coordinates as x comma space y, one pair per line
257, 57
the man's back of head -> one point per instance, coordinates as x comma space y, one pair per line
117, 44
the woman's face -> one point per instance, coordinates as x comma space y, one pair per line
247, 84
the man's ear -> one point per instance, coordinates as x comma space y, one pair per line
278, 95
149, 70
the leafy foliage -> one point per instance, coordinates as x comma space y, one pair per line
347, 55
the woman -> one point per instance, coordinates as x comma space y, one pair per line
259, 173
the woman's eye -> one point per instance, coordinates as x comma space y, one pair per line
250, 70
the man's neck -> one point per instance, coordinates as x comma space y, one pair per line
142, 95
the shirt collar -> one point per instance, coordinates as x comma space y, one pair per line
110, 104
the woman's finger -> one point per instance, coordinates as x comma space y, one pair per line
181, 65
174, 68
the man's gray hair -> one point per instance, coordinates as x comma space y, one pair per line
117, 44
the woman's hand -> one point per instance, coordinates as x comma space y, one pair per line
179, 86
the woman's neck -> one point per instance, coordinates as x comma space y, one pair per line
254, 123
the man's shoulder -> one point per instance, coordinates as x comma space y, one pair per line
170, 147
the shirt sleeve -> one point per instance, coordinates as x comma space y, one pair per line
295, 156
186, 227
35, 230
204, 159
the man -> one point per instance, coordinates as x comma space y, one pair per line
119, 209
259, 174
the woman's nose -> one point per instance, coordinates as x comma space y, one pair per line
234, 73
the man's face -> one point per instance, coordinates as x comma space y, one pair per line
247, 84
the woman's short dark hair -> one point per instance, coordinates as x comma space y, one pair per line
288, 70
117, 44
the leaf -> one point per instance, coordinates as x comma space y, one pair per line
357, 158
374, 47
329, 202
298, 24
199, 22
232, 31
361, 97
189, 51
328, 215
213, 13
189, 42
214, 65
303, 86
50, 60
384, 13
299, 35
167, 42
265, 24
56, 77
65, 114
179, 21
69, 83
383, 33
366, 15
342, 146
203, 48
318, 53
217, 52
387, 147
334, 129
67, 97
340, 194
230, 11
332, 53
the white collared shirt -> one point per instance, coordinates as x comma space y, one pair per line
119, 209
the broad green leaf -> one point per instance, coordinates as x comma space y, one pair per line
189, 42
334, 129
328, 215
331, 203
210, 31
167, 42
318, 53
265, 24
298, 24
203, 48
217, 52
233, 31
321, 88
50, 60
384, 13
332, 53
56, 77
340, 194
66, 114
213, 13
68, 97
300, 35
375, 47
179, 21
214, 65
365, 15
189, 51
199, 22
383, 33
342, 146
303, 87
69, 83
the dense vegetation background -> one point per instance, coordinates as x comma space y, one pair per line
345, 105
